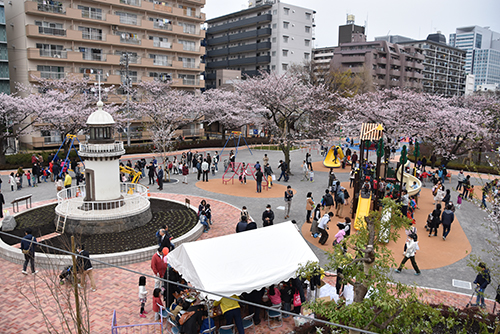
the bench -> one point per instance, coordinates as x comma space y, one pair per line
16, 201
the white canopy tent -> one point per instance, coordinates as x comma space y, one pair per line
242, 262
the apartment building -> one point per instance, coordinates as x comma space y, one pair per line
267, 36
118, 39
4, 59
389, 65
321, 61
444, 66
483, 53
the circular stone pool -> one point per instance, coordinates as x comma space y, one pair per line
179, 218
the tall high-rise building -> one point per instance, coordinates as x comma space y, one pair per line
125, 41
483, 53
4, 59
443, 72
267, 36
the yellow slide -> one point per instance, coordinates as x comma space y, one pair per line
330, 161
362, 211
409, 179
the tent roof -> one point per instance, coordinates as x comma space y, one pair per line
242, 262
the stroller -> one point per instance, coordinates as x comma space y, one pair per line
66, 274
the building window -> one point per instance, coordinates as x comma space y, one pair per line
307, 55
308, 16
188, 45
91, 33
273, 67
284, 67
285, 53
274, 39
188, 28
285, 39
91, 12
286, 10
274, 54
308, 30
307, 42
275, 12
50, 28
128, 18
285, 24
274, 25
160, 60
188, 62
51, 72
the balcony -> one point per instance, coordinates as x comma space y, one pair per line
130, 40
252, 21
353, 59
93, 15
163, 26
162, 62
93, 56
52, 31
163, 45
239, 36
130, 20
51, 8
52, 75
131, 2
93, 36
59, 54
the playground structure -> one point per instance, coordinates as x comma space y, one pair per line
236, 144
236, 170
330, 159
408, 180
71, 138
129, 170
362, 202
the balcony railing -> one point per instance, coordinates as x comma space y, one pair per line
165, 45
93, 15
129, 40
93, 36
189, 65
93, 56
54, 53
52, 31
57, 9
131, 2
160, 25
130, 20
191, 82
52, 75
116, 147
161, 62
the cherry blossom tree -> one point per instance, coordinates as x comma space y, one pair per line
165, 110
230, 109
290, 108
451, 126
70, 101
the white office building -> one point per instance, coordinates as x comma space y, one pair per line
267, 36
483, 53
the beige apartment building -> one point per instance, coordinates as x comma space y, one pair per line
119, 39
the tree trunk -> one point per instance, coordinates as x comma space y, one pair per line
285, 148
2, 151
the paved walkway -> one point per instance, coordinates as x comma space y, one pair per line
118, 289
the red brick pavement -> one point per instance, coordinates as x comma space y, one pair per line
118, 289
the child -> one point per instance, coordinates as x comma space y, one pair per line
346, 197
203, 221
28, 177
12, 181
471, 191
459, 201
157, 303
208, 214
142, 295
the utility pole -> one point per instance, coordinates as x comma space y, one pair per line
127, 84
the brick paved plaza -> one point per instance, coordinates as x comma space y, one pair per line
117, 289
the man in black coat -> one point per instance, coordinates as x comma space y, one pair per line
268, 216
258, 179
2, 202
85, 266
151, 173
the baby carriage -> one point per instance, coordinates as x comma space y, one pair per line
66, 274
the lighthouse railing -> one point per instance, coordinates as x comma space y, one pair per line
117, 146
71, 202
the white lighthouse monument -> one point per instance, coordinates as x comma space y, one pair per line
103, 204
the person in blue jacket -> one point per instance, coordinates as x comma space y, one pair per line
28, 248
482, 280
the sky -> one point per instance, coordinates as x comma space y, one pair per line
415, 19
